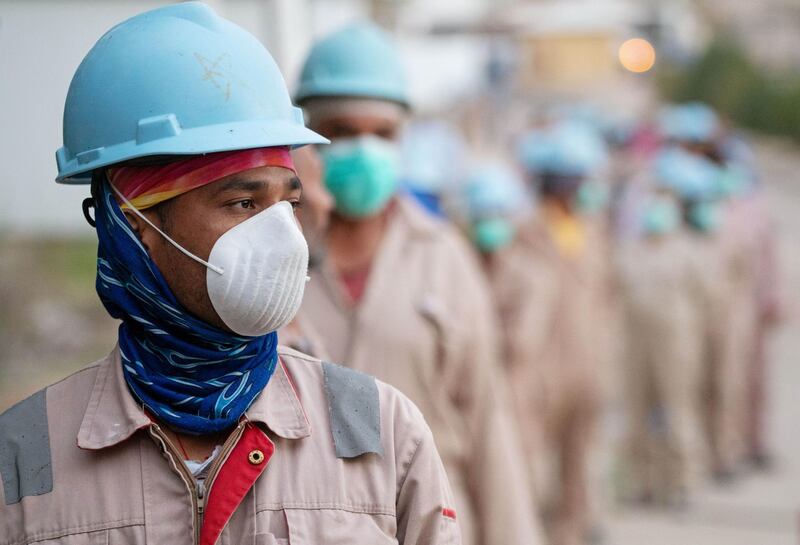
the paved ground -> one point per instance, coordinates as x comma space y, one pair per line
761, 509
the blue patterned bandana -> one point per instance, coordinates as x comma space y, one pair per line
194, 377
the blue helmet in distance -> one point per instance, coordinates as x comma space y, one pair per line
492, 189
177, 80
566, 149
693, 122
688, 175
359, 60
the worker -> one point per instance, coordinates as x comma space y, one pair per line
197, 428
749, 225
665, 291
724, 232
566, 349
400, 294
492, 206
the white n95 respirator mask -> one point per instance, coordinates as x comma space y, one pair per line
256, 270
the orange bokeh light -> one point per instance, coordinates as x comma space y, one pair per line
637, 55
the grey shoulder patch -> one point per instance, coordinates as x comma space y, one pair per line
25, 449
355, 411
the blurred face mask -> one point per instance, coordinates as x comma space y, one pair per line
491, 235
661, 216
361, 174
592, 197
705, 216
256, 270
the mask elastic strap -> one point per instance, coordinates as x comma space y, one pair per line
184, 251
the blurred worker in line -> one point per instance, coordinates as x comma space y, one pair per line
746, 209
693, 128
565, 343
734, 231
665, 292
400, 295
491, 205
197, 428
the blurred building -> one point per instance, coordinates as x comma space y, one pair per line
477, 58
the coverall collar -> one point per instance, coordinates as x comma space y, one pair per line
113, 415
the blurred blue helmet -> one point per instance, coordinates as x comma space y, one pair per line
494, 190
690, 176
357, 61
565, 149
432, 152
690, 122
177, 80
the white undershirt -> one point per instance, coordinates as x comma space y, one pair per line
199, 470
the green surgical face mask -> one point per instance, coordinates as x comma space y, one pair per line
361, 174
592, 197
661, 216
491, 235
705, 216
733, 181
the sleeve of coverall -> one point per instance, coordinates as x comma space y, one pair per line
498, 482
425, 513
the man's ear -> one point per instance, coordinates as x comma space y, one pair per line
146, 234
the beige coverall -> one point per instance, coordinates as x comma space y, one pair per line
425, 325
665, 293
82, 464
755, 300
731, 252
553, 310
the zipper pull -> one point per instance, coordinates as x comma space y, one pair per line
201, 497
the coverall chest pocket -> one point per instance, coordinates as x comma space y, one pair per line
123, 535
339, 527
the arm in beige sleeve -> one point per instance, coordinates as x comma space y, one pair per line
425, 508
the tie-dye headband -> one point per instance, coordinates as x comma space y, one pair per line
146, 186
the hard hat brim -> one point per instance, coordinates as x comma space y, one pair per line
77, 169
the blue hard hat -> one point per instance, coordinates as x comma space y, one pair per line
565, 149
356, 61
432, 152
491, 189
690, 122
177, 80
690, 176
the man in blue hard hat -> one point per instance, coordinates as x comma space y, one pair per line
402, 284
670, 297
197, 428
561, 370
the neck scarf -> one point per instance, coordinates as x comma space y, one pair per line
194, 377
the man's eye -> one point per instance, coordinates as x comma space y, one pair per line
296, 204
247, 203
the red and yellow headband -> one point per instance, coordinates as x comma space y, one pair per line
146, 186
